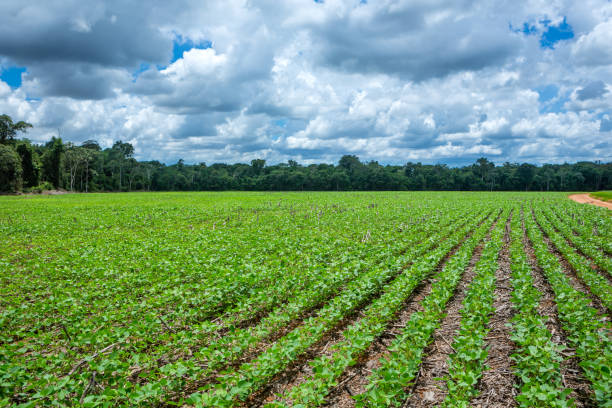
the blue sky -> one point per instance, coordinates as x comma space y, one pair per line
11, 75
392, 80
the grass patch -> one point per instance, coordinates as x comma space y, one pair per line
603, 195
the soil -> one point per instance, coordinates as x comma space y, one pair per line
430, 387
587, 199
498, 383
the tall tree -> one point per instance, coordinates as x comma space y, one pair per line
91, 153
484, 167
258, 165
8, 129
29, 164
526, 173
10, 170
52, 161
120, 153
75, 159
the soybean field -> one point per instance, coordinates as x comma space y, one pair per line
369, 299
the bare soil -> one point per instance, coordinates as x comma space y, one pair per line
430, 388
587, 199
498, 383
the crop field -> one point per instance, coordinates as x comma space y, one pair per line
403, 299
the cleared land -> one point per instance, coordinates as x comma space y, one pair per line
305, 299
588, 199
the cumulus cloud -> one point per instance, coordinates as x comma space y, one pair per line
391, 80
595, 47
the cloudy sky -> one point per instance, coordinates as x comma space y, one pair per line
389, 80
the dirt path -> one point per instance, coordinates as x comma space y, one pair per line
498, 385
587, 199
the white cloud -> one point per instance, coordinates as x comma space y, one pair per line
595, 47
389, 80
196, 62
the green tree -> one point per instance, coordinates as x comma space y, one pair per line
91, 150
525, 173
258, 165
483, 168
29, 164
52, 161
120, 153
76, 160
10, 170
8, 129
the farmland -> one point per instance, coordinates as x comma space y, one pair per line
305, 299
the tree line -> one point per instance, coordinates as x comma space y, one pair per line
27, 167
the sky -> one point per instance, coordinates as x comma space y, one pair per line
229, 81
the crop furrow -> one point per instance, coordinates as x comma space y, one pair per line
253, 375
542, 370
466, 363
242, 343
327, 370
596, 283
587, 333
498, 385
388, 384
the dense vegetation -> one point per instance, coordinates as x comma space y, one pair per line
302, 299
88, 167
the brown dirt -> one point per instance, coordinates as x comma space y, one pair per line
587, 199
571, 373
430, 388
498, 384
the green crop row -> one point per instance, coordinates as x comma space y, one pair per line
587, 332
596, 283
238, 385
537, 362
358, 337
466, 364
589, 224
389, 384
583, 244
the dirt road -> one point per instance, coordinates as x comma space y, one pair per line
585, 198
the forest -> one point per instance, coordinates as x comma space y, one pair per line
29, 167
